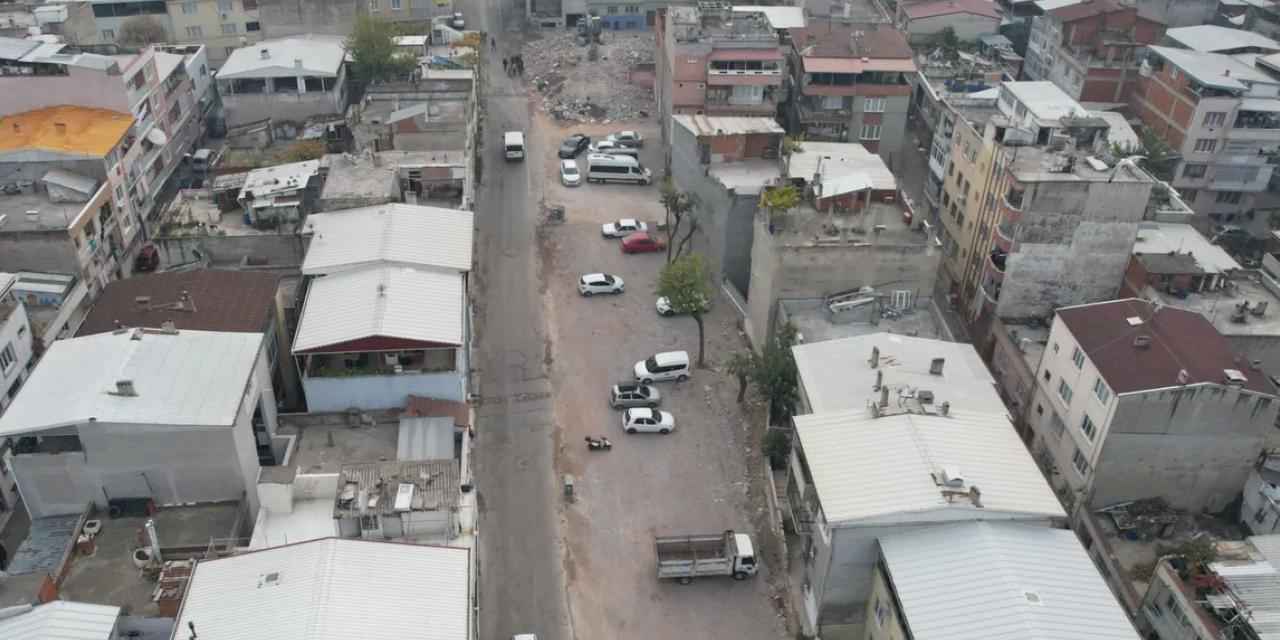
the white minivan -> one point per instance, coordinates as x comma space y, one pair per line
668, 365
513, 142
606, 168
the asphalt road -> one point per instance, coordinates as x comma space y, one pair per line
522, 586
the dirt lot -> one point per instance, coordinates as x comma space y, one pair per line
694, 480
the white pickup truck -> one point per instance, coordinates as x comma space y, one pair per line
717, 554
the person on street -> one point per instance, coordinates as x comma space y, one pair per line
504, 64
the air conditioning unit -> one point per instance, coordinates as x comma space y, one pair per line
391, 359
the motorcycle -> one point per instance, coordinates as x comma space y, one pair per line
598, 444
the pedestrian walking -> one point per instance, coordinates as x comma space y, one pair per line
504, 64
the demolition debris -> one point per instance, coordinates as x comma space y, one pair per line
591, 83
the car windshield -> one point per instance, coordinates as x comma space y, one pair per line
570, 170
651, 364
607, 279
643, 392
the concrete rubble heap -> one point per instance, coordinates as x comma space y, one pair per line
582, 90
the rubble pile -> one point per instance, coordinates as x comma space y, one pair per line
578, 89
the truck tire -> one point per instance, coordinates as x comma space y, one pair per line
686, 580
740, 576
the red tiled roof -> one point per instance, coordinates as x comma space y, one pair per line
236, 301
1180, 340
949, 7
826, 40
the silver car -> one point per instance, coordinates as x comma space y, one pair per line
569, 175
627, 396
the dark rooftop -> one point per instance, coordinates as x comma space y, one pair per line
1169, 264
1176, 340
827, 40
218, 301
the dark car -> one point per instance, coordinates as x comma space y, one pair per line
573, 145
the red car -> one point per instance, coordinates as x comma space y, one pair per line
642, 242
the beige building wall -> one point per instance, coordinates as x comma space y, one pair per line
884, 621
220, 25
963, 210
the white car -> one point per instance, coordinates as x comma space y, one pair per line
647, 421
609, 147
569, 175
664, 306
458, 22
593, 283
627, 138
622, 228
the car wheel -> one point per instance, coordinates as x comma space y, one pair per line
631, 429
587, 294
681, 378
739, 575
652, 405
618, 290
646, 381
664, 431
666, 314
686, 580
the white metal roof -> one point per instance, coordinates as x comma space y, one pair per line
389, 234
62, 620
268, 182
1043, 99
287, 57
389, 302
839, 161
778, 17
411, 41
879, 470
1120, 131
836, 374
1212, 38
727, 125
1213, 69
331, 589
189, 378
1163, 238
1001, 581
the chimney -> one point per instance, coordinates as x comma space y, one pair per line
884, 396
875, 357
935, 367
879, 379
976, 496
297, 63
61, 128
944, 409
125, 388
264, 53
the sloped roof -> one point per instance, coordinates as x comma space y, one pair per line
331, 588
62, 620
219, 301
419, 306
65, 129
950, 7
1001, 581
1180, 340
188, 378
1081, 10
1213, 69
1212, 38
287, 57
389, 234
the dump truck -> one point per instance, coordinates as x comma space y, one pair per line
717, 554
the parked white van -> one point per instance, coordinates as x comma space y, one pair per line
668, 365
513, 142
605, 168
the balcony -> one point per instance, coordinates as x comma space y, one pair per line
1013, 200
995, 265
1004, 236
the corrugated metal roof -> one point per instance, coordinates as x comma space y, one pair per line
1213, 69
778, 17
1001, 581
1257, 587
869, 469
190, 378
389, 234
1212, 38
388, 302
331, 589
288, 57
62, 620
837, 161
425, 438
727, 125
436, 485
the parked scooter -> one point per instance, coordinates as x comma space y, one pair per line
598, 444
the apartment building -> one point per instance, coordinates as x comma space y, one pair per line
1090, 49
1221, 116
16, 344
924, 22
221, 26
1139, 400
850, 83
714, 62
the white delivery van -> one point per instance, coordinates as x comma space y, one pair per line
513, 145
605, 168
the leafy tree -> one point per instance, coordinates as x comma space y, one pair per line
780, 200
300, 151
776, 447
678, 205
374, 55
140, 31
740, 366
685, 282
773, 373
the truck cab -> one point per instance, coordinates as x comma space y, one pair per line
744, 563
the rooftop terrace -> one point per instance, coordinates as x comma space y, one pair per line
1222, 307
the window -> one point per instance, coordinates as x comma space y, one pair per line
1155, 609
373, 5
1100, 389
395, 5
1080, 463
1057, 427
632, 8
1047, 376
1228, 197
880, 613
870, 132
249, 5
227, 51
1077, 356
254, 26
1090, 430
873, 105
8, 357
195, 32
224, 6
228, 27
1055, 347
109, 34
189, 8
832, 102
745, 94
1206, 145
1214, 118
613, 9
1192, 170
1064, 390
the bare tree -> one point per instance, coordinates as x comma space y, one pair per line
140, 31
678, 205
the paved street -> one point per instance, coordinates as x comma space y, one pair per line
521, 583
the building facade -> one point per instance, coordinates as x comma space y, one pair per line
290, 79
1089, 50
16, 343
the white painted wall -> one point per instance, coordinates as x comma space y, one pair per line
15, 333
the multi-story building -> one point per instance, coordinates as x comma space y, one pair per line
850, 83
714, 62
1088, 49
16, 345
221, 26
924, 22
1136, 400
1221, 117
287, 79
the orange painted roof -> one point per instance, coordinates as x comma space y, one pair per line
85, 131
